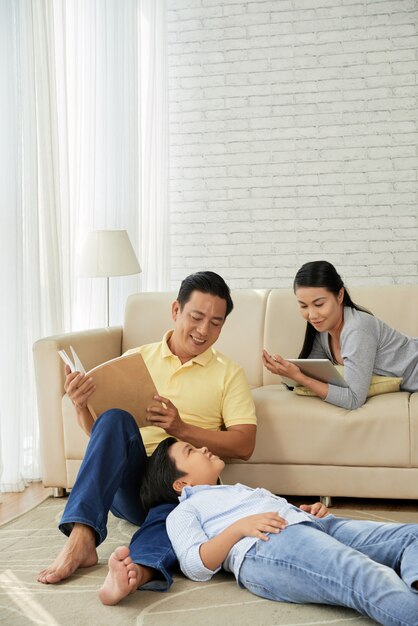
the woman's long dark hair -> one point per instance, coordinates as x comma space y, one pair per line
161, 472
321, 274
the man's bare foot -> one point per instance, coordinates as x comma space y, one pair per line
123, 577
79, 551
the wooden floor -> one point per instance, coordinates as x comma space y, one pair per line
14, 504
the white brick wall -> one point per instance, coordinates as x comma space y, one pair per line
293, 137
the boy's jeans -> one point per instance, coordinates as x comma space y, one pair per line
368, 566
109, 479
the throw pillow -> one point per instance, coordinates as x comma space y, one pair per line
378, 385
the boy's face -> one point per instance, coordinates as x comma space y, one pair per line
200, 466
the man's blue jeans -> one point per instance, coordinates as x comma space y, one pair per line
367, 566
110, 479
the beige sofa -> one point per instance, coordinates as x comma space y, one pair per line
304, 445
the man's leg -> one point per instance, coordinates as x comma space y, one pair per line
148, 563
304, 564
109, 479
151, 547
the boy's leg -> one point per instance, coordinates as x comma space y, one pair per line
109, 477
391, 544
147, 564
303, 564
150, 547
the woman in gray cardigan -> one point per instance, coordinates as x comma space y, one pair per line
343, 332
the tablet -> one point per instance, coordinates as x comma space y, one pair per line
320, 369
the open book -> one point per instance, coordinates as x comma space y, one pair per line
121, 383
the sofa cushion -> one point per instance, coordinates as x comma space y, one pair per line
298, 430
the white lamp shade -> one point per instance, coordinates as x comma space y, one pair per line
108, 253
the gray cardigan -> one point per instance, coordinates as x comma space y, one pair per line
368, 346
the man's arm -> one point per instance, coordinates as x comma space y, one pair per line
79, 388
237, 441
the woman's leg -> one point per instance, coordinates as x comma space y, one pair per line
304, 564
109, 477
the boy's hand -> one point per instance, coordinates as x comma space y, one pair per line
318, 509
260, 524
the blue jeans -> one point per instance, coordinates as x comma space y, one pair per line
109, 479
367, 566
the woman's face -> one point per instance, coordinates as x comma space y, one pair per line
320, 307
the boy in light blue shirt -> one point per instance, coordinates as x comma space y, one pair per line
273, 548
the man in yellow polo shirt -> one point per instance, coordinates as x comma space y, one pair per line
205, 400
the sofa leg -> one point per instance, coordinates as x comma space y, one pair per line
327, 500
58, 492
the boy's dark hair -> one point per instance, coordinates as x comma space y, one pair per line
321, 274
206, 282
161, 472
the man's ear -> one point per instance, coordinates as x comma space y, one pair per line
179, 483
175, 308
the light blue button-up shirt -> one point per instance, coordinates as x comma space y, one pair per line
206, 510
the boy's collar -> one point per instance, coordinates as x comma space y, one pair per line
188, 491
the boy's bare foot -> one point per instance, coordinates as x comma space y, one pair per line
123, 577
79, 551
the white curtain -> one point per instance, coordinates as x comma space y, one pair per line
83, 122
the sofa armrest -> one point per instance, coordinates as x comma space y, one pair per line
93, 347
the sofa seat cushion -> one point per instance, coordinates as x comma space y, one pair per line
302, 430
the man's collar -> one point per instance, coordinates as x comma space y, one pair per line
200, 359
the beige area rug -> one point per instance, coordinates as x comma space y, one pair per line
29, 542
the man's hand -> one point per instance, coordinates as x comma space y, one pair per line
165, 415
78, 387
259, 525
318, 509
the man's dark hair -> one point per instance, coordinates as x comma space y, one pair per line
161, 472
206, 282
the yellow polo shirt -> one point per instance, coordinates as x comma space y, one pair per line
209, 391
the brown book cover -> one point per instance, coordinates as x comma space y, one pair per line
121, 383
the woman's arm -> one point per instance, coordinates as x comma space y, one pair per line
358, 350
277, 365
359, 345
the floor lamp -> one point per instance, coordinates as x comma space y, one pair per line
108, 253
